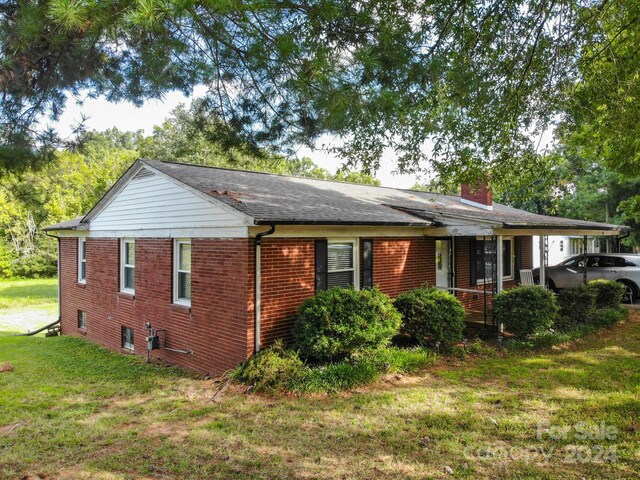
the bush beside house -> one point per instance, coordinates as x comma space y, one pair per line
525, 310
340, 322
431, 316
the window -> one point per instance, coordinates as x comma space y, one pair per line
128, 266
182, 272
341, 264
127, 338
562, 245
82, 260
82, 319
485, 260
507, 258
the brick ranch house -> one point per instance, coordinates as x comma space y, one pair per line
218, 260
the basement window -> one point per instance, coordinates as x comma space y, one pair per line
127, 266
127, 338
82, 319
182, 272
342, 263
82, 260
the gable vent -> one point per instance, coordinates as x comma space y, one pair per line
144, 173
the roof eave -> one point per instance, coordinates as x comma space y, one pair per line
339, 222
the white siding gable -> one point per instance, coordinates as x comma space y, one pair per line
153, 203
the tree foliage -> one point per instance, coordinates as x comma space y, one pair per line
463, 86
70, 184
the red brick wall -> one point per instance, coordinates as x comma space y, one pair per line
288, 279
400, 264
218, 327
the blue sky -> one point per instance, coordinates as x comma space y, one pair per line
102, 115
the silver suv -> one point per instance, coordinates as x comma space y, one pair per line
621, 267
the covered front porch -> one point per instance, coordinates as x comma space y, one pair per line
486, 260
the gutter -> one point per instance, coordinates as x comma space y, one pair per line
58, 266
258, 284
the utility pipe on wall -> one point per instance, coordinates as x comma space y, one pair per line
258, 282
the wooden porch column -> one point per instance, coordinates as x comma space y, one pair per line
543, 266
500, 263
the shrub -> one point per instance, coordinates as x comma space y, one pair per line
576, 306
339, 322
364, 369
271, 369
607, 293
525, 310
608, 317
431, 315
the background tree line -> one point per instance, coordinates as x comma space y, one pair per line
69, 184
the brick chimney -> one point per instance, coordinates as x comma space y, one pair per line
477, 195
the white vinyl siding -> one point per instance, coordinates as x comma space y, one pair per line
82, 260
127, 265
152, 201
342, 264
182, 272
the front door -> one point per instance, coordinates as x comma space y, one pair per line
443, 263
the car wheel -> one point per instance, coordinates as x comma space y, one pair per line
630, 293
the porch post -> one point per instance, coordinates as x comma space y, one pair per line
543, 266
585, 258
500, 263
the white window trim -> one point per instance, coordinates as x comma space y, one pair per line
356, 259
482, 281
128, 346
511, 260
82, 248
176, 270
123, 253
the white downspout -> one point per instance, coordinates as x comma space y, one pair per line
258, 285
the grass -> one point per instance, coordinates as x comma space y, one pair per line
27, 304
28, 293
71, 409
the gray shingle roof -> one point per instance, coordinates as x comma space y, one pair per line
270, 198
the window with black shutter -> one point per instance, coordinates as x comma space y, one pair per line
336, 264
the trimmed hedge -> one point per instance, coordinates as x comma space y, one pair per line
607, 293
340, 322
525, 310
577, 306
431, 316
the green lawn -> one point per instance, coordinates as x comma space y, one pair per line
27, 304
71, 409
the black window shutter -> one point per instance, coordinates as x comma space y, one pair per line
472, 261
367, 263
518, 246
321, 265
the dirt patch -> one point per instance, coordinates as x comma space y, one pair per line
7, 429
6, 367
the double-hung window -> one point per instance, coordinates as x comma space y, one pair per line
82, 260
127, 266
182, 272
341, 264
